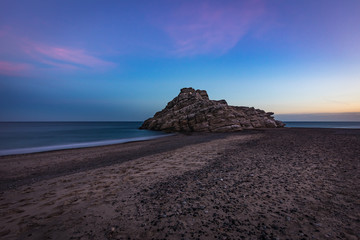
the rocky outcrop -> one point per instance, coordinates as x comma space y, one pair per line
193, 111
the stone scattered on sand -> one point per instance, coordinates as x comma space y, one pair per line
193, 111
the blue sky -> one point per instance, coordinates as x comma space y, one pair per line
124, 60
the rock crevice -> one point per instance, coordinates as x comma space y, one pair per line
193, 111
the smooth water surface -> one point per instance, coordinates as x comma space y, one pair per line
25, 137
353, 125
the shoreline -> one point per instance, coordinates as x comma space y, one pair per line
40, 149
266, 183
37, 166
103, 143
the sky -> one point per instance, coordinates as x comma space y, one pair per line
91, 60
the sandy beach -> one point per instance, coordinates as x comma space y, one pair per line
256, 184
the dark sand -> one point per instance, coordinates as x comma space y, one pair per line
261, 184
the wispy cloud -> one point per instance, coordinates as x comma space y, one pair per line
211, 27
2, 33
62, 56
14, 69
65, 58
45, 56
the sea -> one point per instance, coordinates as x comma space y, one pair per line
29, 137
326, 124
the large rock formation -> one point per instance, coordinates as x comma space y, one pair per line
193, 111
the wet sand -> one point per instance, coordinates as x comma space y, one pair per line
261, 184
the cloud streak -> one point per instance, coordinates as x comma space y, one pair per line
209, 27
14, 69
44, 56
61, 56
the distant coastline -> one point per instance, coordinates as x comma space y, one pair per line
323, 124
321, 117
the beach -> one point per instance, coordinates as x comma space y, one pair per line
289, 183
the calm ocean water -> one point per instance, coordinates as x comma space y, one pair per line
354, 125
27, 137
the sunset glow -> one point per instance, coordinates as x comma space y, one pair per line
122, 60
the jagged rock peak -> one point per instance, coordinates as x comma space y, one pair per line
193, 111
188, 94
202, 94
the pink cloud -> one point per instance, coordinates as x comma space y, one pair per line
44, 55
14, 69
211, 27
4, 30
61, 56
2, 33
58, 65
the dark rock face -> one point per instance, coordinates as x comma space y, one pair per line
193, 111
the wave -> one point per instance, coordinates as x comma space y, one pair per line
76, 145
